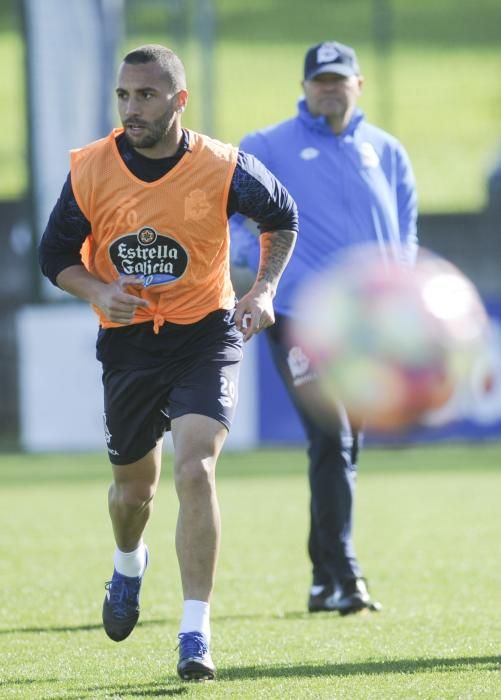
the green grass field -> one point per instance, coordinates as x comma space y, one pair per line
427, 532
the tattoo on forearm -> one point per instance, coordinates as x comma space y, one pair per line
276, 249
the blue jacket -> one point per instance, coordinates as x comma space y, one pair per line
350, 188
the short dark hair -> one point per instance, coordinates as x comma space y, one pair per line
167, 60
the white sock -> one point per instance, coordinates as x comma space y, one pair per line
316, 590
196, 618
130, 564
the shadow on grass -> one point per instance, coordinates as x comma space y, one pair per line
152, 689
36, 629
147, 690
249, 673
72, 628
292, 615
491, 663
12, 683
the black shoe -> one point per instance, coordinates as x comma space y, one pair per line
322, 601
350, 597
353, 596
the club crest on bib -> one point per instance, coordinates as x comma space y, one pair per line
196, 205
158, 258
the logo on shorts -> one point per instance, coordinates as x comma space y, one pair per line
227, 397
156, 257
107, 434
107, 437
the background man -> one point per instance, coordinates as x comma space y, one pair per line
353, 183
141, 232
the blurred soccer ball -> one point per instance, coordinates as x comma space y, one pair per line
389, 342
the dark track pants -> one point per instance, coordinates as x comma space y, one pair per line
332, 453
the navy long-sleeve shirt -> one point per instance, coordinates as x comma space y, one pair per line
254, 193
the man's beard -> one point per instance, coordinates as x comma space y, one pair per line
154, 133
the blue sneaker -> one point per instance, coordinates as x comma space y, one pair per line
121, 604
195, 663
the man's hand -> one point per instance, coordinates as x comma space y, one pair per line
111, 297
254, 312
116, 303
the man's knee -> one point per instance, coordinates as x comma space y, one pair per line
132, 495
194, 474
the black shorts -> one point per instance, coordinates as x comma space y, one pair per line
150, 379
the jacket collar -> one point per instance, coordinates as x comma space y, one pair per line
320, 123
